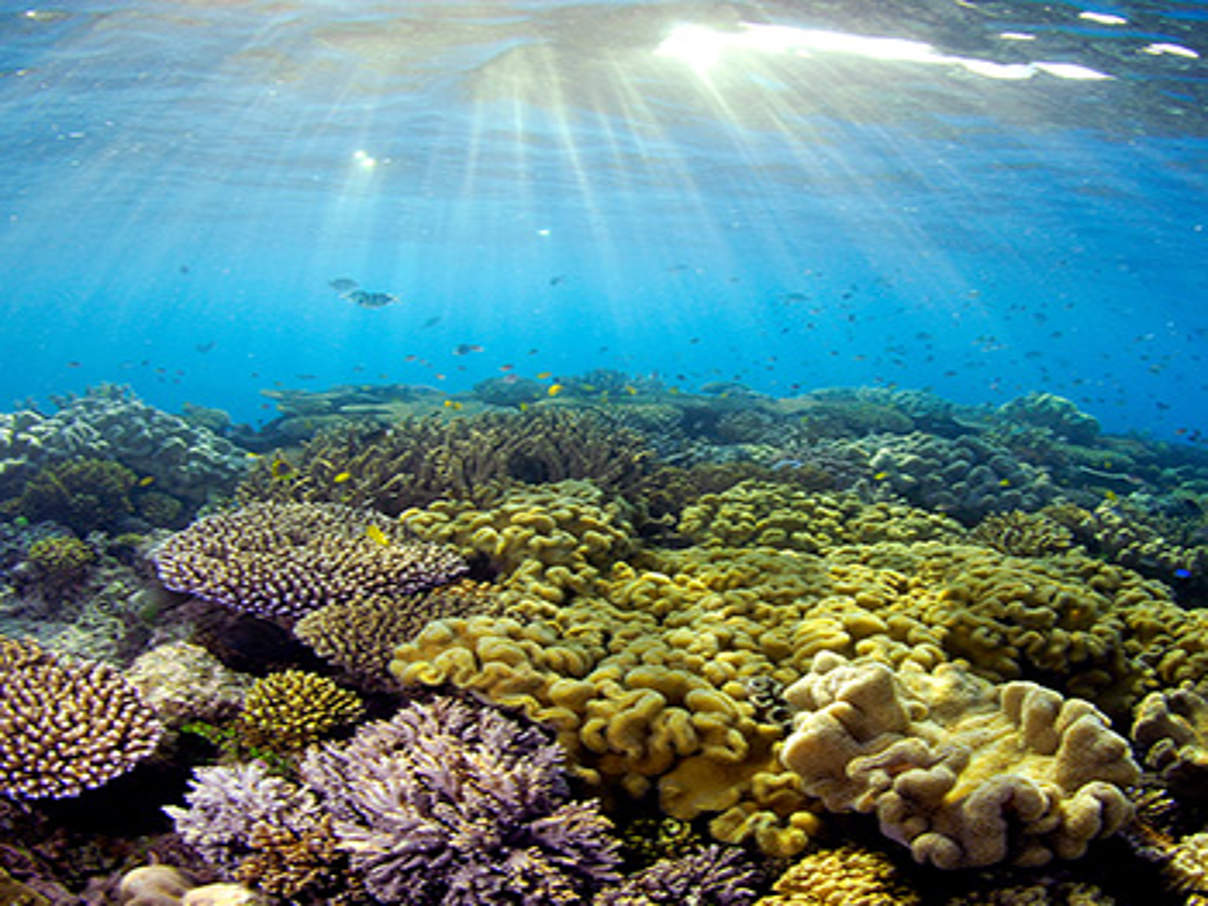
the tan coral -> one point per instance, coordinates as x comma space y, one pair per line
964, 773
1172, 728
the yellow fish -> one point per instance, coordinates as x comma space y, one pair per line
342, 477
880, 476
631, 390
452, 404
1004, 483
281, 469
146, 480
588, 388
554, 389
541, 376
374, 533
1110, 495
524, 407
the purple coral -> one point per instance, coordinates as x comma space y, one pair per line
288, 559
460, 806
710, 876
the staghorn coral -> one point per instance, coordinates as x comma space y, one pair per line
772, 515
1022, 534
709, 876
67, 727
286, 560
418, 461
82, 494
360, 635
1172, 728
845, 876
964, 773
287, 711
447, 803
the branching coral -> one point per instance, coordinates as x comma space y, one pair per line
709, 876
418, 461
964, 773
286, 560
292, 709
66, 727
60, 561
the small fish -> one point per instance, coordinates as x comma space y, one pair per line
1110, 496
376, 535
1004, 483
366, 299
342, 477
146, 481
506, 367
631, 390
466, 348
281, 469
73, 364
554, 281
544, 375
1182, 573
204, 347
453, 404
343, 284
431, 322
21, 521
880, 476
588, 388
253, 455
554, 389
524, 407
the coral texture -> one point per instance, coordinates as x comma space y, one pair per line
286, 560
183, 682
66, 727
710, 876
964, 773
1172, 727
846, 876
290, 710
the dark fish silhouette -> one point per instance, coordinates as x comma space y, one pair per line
343, 284
366, 299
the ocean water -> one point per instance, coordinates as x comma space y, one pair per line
980, 198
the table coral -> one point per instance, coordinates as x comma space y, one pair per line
965, 773
67, 727
286, 560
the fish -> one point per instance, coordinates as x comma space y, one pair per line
343, 284
342, 477
146, 481
554, 389
366, 299
1182, 573
453, 404
880, 476
375, 534
281, 469
430, 322
466, 348
204, 347
544, 375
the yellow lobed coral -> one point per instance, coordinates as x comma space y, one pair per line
66, 727
965, 773
550, 542
846, 876
292, 709
756, 513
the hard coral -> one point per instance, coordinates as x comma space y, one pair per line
1172, 726
447, 803
846, 876
292, 709
710, 876
964, 773
83, 494
288, 559
66, 727
60, 561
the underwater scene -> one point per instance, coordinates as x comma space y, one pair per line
601, 453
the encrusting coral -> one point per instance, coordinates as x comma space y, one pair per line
286, 560
964, 773
845, 876
66, 727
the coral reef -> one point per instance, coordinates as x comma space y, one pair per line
286, 560
290, 710
963, 773
83, 494
1172, 728
109, 422
59, 562
418, 461
966, 478
66, 727
1054, 413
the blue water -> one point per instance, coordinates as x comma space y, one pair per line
557, 184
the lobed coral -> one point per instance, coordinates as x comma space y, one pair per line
964, 773
67, 727
1022, 534
286, 560
1172, 728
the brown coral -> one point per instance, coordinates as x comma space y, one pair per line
287, 559
846, 876
66, 727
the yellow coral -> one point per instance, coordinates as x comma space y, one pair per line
292, 709
846, 876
